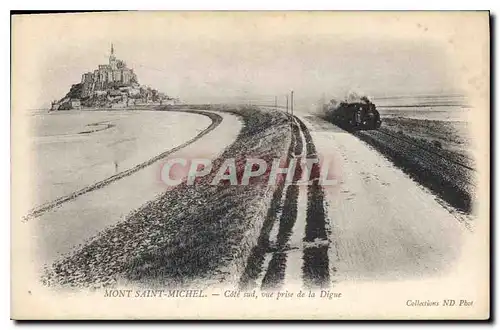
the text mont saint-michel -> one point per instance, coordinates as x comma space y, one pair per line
129, 293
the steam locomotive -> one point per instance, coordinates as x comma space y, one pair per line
360, 115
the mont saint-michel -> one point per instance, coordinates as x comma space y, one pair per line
320, 165
112, 85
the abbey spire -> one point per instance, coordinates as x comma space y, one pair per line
112, 59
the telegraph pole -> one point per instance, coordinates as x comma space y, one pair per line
287, 104
291, 102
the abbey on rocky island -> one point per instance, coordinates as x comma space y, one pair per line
106, 76
111, 85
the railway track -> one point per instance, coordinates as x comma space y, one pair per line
467, 163
427, 159
293, 244
452, 180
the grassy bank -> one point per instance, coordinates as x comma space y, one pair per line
434, 153
197, 234
447, 137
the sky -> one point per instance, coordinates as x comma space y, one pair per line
223, 57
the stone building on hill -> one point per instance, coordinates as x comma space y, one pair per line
106, 76
112, 85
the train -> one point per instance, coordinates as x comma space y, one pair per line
359, 115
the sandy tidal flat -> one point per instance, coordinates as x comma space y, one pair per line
73, 149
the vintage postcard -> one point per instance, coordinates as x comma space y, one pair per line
251, 165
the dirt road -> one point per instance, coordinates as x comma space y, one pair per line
383, 224
373, 223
